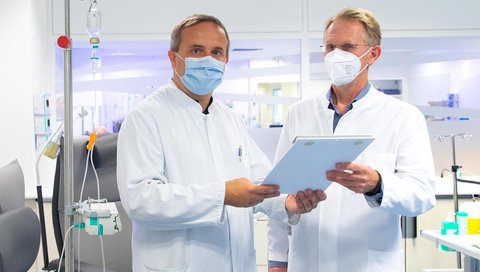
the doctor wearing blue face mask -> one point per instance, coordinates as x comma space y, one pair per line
202, 75
357, 228
198, 70
185, 166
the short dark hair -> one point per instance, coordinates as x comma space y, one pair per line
176, 37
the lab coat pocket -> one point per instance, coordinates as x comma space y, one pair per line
243, 169
384, 261
183, 268
241, 162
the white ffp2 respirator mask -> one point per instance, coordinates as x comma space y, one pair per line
343, 67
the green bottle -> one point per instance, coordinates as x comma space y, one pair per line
449, 227
462, 222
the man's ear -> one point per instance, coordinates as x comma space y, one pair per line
173, 59
375, 54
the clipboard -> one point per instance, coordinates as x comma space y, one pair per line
305, 163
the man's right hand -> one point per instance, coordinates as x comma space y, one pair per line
241, 192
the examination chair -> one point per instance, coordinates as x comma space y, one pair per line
117, 247
19, 225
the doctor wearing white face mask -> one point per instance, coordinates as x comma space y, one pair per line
358, 227
185, 166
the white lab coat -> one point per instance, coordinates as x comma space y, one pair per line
346, 232
173, 162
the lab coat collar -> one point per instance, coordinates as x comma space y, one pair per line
371, 96
187, 101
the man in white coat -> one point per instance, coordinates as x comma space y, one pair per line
185, 166
358, 227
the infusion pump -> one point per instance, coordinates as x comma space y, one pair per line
100, 217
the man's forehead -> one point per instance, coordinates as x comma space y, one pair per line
344, 30
203, 28
206, 36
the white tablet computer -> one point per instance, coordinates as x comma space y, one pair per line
305, 164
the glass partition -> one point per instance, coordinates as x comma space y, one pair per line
262, 78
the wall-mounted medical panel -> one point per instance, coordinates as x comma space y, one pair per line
406, 17
147, 17
42, 121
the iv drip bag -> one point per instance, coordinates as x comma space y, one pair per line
94, 23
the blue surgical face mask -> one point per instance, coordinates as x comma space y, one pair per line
202, 75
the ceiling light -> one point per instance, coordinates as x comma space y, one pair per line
275, 62
122, 54
246, 49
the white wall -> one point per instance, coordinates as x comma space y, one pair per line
465, 78
434, 81
24, 70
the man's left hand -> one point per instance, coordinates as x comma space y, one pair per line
304, 201
357, 177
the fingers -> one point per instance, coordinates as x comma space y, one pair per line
309, 199
321, 195
345, 166
356, 177
346, 174
267, 191
343, 171
304, 202
260, 192
277, 269
339, 175
242, 192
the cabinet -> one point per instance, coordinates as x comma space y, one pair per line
159, 17
408, 16
261, 242
393, 87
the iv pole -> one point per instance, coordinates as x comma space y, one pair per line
68, 143
454, 169
65, 43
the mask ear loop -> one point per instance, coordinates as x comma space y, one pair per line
367, 63
175, 70
366, 52
176, 54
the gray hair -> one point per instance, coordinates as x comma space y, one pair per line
176, 37
373, 33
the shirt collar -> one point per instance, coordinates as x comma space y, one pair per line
359, 96
208, 106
